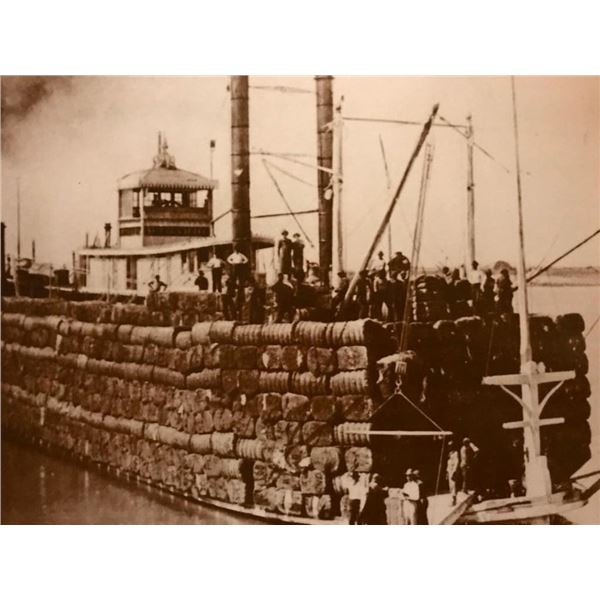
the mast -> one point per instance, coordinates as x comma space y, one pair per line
324, 159
394, 200
470, 196
337, 179
18, 220
388, 186
537, 475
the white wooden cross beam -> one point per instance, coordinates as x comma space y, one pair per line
532, 375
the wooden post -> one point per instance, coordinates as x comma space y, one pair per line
537, 475
18, 221
470, 197
388, 186
324, 159
337, 179
392, 205
240, 165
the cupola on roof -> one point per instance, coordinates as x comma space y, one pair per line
164, 175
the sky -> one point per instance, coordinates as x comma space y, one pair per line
68, 140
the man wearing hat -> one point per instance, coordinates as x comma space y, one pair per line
298, 255
340, 291
356, 496
422, 503
411, 492
284, 253
467, 454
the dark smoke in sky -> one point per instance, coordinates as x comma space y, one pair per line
21, 96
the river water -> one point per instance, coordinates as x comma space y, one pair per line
41, 489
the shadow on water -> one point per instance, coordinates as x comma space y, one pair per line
39, 489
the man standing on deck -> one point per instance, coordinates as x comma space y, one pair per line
298, 256
476, 279
399, 264
504, 292
453, 471
340, 292
379, 265
362, 292
239, 266
378, 295
412, 495
467, 454
201, 282
356, 497
216, 264
284, 299
284, 253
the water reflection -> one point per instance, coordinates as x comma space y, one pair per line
40, 489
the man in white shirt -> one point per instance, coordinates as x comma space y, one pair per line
357, 492
238, 262
378, 265
476, 279
216, 264
412, 495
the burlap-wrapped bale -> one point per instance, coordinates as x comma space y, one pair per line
276, 381
352, 434
223, 444
270, 406
310, 333
220, 355
201, 443
242, 424
313, 482
317, 433
205, 379
350, 382
200, 333
352, 358
356, 407
277, 333
321, 361
248, 381
222, 419
247, 335
271, 358
295, 407
309, 384
323, 408
358, 459
246, 357
326, 458
293, 358
222, 332
287, 433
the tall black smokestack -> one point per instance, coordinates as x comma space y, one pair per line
107, 232
324, 159
240, 164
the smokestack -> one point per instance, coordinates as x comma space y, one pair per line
3, 249
33, 250
324, 159
107, 230
240, 164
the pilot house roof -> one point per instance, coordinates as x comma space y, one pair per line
165, 175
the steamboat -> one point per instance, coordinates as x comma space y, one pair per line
266, 418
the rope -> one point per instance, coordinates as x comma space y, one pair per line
475, 144
400, 393
439, 470
592, 327
291, 175
286, 202
489, 353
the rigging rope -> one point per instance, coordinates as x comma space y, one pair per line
282, 196
592, 327
291, 175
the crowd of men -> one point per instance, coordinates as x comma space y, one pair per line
380, 292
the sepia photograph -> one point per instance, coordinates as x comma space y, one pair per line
250, 299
